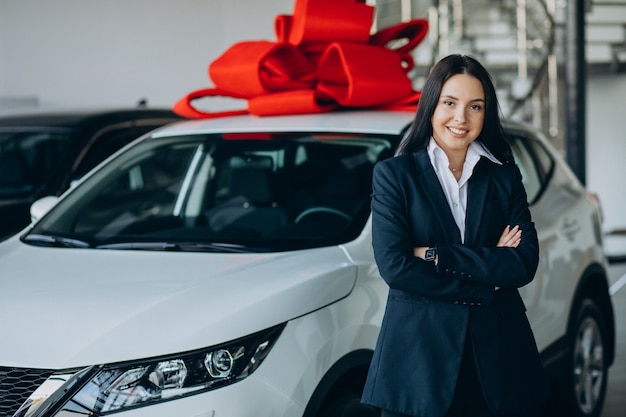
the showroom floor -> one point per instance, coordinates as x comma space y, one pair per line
615, 405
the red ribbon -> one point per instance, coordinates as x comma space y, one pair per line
324, 58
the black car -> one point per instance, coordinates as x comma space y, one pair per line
42, 153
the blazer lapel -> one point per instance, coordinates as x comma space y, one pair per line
427, 179
478, 187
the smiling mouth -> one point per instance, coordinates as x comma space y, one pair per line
458, 131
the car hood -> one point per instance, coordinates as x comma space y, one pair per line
64, 308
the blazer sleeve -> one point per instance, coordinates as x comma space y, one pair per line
393, 248
488, 264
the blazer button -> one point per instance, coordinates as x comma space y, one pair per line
464, 303
456, 302
469, 276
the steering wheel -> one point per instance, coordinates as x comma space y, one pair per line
322, 209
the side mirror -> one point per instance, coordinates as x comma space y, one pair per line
40, 207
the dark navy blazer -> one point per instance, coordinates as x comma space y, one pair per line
430, 309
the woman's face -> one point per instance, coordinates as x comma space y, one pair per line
460, 113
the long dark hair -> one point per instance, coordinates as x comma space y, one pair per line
492, 134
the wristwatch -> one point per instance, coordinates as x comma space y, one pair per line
431, 254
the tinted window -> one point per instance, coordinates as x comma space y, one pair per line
27, 157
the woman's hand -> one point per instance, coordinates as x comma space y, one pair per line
510, 238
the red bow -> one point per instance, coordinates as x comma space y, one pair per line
324, 58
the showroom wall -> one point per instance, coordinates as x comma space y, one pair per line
606, 145
114, 52
71, 53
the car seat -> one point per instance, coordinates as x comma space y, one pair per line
251, 209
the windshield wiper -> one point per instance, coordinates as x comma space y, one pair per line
212, 247
140, 246
178, 246
55, 241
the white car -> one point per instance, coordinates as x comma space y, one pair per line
224, 268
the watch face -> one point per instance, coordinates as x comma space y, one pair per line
431, 254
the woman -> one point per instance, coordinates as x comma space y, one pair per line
453, 239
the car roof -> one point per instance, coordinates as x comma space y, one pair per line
73, 118
366, 121
388, 122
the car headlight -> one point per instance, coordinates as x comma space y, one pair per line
99, 390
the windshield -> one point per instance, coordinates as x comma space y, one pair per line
237, 192
27, 157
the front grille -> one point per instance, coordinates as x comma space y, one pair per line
16, 385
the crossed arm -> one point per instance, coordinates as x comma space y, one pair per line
510, 238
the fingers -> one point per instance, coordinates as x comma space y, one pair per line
510, 238
507, 230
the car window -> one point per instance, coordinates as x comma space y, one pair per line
269, 192
26, 157
534, 162
105, 144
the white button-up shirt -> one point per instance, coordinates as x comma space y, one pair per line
456, 191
